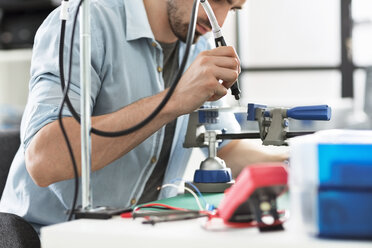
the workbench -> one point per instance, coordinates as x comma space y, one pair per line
119, 232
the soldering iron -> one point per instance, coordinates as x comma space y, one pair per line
219, 40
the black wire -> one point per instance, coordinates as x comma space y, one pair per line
65, 92
158, 207
189, 40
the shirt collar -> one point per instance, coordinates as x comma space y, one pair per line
136, 20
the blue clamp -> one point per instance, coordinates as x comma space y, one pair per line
316, 112
252, 111
208, 116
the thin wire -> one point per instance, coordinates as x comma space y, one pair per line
194, 187
164, 206
189, 190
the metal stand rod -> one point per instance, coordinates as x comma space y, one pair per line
211, 140
85, 81
229, 136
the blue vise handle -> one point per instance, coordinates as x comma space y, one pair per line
273, 122
316, 112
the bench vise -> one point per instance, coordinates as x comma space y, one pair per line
273, 123
214, 175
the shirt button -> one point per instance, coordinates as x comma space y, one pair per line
133, 201
160, 69
154, 44
153, 160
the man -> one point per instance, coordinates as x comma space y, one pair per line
132, 41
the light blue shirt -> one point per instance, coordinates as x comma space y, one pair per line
125, 58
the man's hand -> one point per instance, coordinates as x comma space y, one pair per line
207, 79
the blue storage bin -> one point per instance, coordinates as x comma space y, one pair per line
345, 165
344, 214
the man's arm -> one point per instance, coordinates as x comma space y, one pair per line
239, 153
47, 158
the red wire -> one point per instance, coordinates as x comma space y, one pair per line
130, 215
244, 224
161, 205
126, 215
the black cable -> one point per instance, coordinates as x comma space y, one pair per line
65, 92
157, 207
189, 40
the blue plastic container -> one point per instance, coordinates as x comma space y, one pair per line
345, 190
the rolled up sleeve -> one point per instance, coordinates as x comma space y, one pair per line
45, 93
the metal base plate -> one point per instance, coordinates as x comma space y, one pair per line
100, 213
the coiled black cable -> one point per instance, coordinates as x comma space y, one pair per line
189, 40
66, 100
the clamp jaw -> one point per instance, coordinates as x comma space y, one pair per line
273, 123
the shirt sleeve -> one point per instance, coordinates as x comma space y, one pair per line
45, 93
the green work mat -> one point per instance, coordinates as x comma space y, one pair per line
189, 202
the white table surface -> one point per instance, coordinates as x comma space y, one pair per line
118, 232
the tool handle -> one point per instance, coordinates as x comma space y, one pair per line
316, 112
235, 90
220, 41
